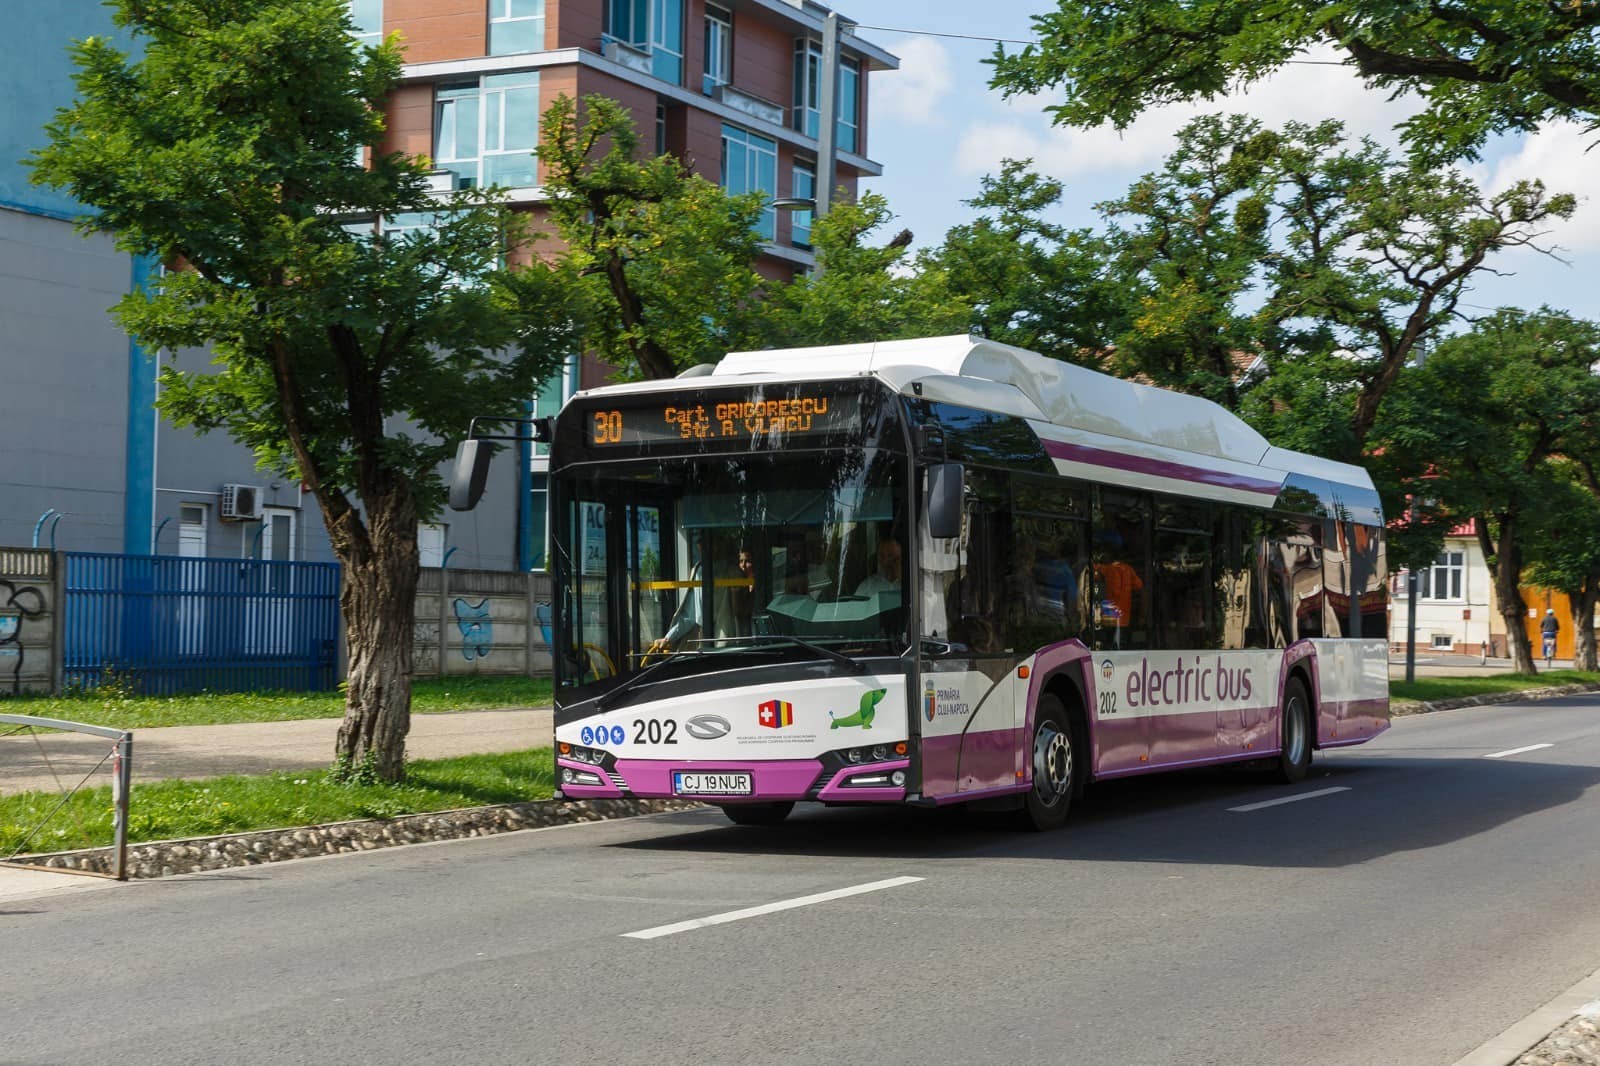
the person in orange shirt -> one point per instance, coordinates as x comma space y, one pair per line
1119, 582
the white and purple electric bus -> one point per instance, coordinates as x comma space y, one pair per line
940, 571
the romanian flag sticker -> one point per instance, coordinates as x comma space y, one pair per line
775, 714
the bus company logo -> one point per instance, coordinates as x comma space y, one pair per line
1105, 669
775, 714
707, 726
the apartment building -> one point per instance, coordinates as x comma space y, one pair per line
732, 87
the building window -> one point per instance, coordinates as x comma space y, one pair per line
430, 544
1443, 580
750, 164
485, 133
368, 18
719, 48
516, 26
653, 26
808, 95
805, 188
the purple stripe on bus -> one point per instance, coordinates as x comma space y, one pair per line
954, 764
1138, 464
779, 779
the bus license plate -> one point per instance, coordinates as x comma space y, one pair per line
686, 783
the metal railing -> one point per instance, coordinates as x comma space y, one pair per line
121, 756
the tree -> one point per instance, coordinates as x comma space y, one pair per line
1480, 68
345, 358
1484, 415
1029, 281
863, 292
1564, 553
660, 257
1291, 274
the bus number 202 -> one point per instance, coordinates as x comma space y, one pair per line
654, 731
1108, 703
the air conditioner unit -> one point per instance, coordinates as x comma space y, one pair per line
241, 502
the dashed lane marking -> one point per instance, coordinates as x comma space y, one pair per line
1289, 799
769, 908
1517, 751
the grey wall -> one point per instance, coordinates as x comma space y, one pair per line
28, 629
63, 383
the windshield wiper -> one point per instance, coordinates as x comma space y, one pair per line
856, 666
637, 679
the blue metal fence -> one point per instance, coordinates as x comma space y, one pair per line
170, 624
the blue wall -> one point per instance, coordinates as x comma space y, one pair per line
38, 81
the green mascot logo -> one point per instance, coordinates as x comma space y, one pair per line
864, 714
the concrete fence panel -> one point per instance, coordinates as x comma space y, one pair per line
30, 632
480, 622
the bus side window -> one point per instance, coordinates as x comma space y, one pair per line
1119, 603
1182, 571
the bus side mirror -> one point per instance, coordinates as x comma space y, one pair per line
470, 474
946, 489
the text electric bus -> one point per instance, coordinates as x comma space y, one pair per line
939, 571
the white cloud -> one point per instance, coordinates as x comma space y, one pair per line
1307, 92
1560, 156
914, 93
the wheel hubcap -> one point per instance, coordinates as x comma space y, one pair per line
1052, 763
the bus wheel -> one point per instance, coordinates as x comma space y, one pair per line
757, 813
1295, 726
1054, 764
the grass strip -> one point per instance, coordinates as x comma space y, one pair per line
1428, 689
170, 810
120, 709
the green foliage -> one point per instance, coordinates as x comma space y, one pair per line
1562, 548
863, 292
169, 810
1030, 282
658, 258
1480, 68
1450, 688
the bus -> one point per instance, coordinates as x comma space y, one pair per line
943, 571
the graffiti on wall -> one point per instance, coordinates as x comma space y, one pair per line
16, 604
424, 647
477, 631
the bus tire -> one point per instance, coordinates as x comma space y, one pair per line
1055, 760
1294, 731
757, 813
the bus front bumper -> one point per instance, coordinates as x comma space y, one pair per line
734, 782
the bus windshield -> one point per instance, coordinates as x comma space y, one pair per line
715, 558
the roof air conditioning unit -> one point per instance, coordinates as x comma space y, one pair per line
241, 502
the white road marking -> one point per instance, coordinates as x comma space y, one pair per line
1290, 799
1517, 751
769, 908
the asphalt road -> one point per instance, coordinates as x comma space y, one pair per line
1441, 895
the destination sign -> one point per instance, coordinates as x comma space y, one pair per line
705, 419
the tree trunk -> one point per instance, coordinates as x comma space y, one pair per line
1583, 654
379, 603
1507, 568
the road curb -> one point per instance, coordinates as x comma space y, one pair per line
1543, 1031
168, 858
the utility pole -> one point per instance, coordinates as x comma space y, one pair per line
828, 119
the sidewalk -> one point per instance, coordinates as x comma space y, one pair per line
255, 747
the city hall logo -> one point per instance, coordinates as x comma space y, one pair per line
1105, 669
775, 714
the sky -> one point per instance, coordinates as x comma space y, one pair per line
937, 129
